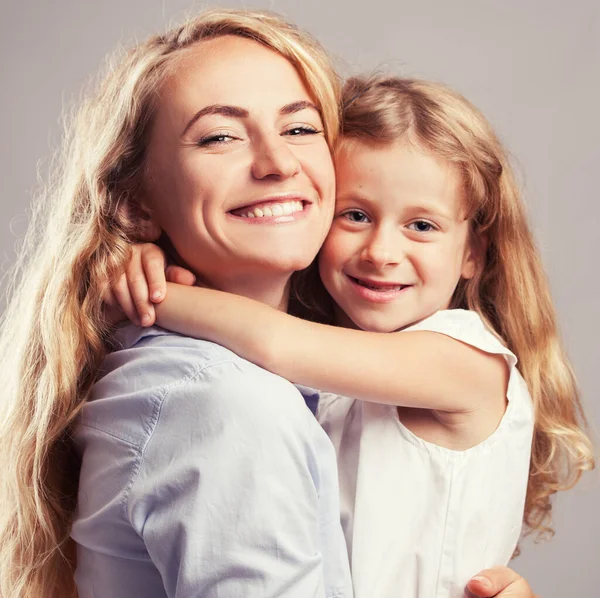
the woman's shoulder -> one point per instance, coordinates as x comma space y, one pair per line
157, 339
154, 356
150, 366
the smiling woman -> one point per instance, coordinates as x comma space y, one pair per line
241, 151
200, 473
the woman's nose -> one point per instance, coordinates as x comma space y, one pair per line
274, 158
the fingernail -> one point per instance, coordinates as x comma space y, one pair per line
145, 320
484, 581
156, 295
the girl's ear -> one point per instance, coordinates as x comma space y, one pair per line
474, 258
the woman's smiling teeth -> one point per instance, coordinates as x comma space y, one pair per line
270, 210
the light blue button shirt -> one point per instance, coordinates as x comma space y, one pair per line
203, 475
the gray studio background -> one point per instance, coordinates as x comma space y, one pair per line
532, 66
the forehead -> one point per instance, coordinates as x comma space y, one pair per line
229, 70
402, 172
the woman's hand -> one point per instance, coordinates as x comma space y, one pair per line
501, 582
143, 284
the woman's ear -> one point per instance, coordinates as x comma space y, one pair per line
148, 230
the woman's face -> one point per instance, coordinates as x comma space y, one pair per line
239, 174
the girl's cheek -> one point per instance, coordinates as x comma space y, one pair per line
335, 246
330, 256
325, 256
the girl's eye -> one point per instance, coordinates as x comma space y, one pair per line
421, 226
356, 216
215, 139
302, 130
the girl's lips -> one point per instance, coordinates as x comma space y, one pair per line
376, 292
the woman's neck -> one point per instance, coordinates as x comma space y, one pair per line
275, 295
270, 290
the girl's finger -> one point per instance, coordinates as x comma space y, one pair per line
124, 299
108, 297
138, 289
180, 275
113, 312
153, 262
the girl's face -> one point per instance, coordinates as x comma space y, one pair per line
240, 175
399, 242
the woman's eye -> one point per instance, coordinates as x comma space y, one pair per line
301, 130
356, 216
215, 139
421, 226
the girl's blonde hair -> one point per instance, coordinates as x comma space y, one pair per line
53, 333
510, 290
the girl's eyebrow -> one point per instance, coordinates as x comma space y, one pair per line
423, 208
237, 112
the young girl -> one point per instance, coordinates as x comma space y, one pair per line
446, 447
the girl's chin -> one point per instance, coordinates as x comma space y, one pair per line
371, 324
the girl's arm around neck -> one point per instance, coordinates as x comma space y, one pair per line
418, 369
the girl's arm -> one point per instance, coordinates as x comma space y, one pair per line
411, 369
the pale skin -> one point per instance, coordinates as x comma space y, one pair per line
451, 413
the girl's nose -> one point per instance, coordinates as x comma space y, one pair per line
382, 250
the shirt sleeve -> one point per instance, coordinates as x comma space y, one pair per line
226, 494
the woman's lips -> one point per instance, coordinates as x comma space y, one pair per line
273, 211
376, 291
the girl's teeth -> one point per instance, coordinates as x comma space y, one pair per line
287, 209
277, 210
259, 213
380, 289
267, 212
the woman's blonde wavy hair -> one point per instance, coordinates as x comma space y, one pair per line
510, 290
53, 334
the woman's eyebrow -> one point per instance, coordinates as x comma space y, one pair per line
237, 112
222, 109
298, 107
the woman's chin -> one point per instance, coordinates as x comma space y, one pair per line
287, 265
291, 258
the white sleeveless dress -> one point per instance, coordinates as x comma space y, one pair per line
420, 520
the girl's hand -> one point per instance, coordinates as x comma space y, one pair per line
143, 284
501, 582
